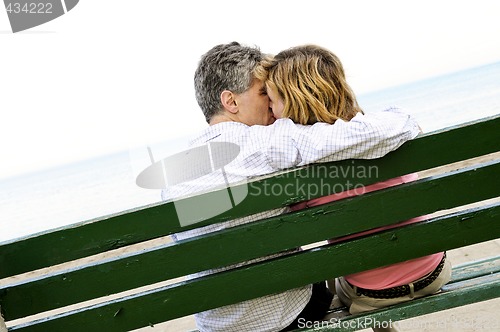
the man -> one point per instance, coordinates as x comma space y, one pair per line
236, 107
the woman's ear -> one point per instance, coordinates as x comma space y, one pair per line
228, 101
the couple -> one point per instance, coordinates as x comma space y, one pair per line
291, 110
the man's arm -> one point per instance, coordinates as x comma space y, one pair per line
364, 137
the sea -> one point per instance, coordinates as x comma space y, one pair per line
79, 192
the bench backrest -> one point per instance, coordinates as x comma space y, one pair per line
162, 261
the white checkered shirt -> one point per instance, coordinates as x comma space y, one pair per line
268, 149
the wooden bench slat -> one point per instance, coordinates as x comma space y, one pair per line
300, 228
119, 230
447, 232
475, 269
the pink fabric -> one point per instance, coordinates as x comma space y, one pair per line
391, 275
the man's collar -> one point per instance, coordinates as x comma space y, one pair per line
214, 131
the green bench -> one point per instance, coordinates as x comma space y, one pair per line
121, 272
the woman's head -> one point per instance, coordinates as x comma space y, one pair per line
307, 84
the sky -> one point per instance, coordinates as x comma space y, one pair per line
116, 75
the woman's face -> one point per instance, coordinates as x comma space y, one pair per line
275, 102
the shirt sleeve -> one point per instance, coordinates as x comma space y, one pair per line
368, 136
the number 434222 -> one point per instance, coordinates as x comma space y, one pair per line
29, 8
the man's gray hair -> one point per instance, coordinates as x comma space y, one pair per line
224, 67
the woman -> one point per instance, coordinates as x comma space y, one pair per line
307, 84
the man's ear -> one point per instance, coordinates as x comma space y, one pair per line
228, 101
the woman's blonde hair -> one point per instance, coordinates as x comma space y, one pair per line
312, 83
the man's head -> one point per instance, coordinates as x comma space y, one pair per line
226, 88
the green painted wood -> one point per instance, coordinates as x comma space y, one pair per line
224, 248
459, 229
133, 226
471, 282
476, 269
453, 295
